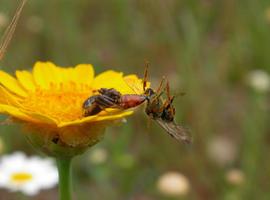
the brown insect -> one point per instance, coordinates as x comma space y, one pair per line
5, 40
161, 111
110, 98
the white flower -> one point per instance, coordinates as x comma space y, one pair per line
98, 156
124, 120
259, 80
235, 176
222, 150
173, 184
27, 174
3, 20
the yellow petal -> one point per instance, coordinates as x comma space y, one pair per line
114, 117
16, 113
135, 83
42, 119
11, 84
84, 73
8, 98
112, 79
67, 74
82, 136
112, 114
26, 79
131, 77
78, 121
46, 73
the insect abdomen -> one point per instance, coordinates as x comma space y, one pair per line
90, 107
132, 100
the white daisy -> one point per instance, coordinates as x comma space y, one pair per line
222, 150
235, 176
173, 184
27, 174
259, 80
98, 156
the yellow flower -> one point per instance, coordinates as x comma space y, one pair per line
48, 101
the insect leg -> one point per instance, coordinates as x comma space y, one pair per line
106, 91
169, 99
110, 102
145, 77
160, 85
104, 101
158, 96
168, 90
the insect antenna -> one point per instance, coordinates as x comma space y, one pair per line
160, 85
5, 40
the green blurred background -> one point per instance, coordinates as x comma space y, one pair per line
206, 48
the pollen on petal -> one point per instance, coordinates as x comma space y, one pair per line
61, 102
21, 177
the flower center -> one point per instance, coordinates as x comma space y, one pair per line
21, 177
62, 102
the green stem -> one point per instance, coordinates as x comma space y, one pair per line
64, 173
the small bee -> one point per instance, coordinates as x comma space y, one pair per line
111, 98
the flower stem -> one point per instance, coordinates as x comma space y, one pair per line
64, 173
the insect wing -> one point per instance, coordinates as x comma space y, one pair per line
134, 84
176, 131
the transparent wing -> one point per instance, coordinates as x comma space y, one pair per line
135, 84
176, 131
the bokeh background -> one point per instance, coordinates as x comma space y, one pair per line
208, 49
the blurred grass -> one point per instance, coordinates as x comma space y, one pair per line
205, 48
